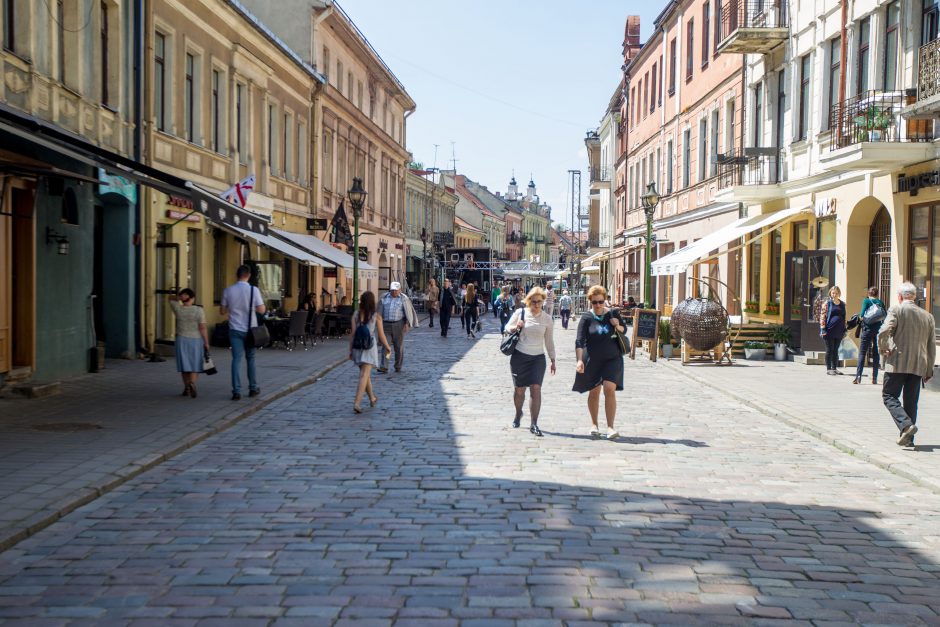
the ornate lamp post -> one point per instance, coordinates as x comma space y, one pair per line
357, 198
650, 199
424, 256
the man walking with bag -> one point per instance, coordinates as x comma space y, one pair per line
398, 316
906, 340
240, 302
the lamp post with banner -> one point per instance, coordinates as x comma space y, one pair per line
357, 198
650, 199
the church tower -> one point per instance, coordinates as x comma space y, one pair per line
513, 192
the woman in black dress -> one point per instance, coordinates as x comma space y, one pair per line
471, 309
600, 364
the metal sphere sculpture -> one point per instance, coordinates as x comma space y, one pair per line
701, 322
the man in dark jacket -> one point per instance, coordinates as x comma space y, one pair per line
447, 306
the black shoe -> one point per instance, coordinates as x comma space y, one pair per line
534, 430
516, 421
254, 392
236, 396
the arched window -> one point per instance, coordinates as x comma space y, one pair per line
879, 247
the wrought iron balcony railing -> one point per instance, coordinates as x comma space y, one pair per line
928, 79
757, 166
875, 116
753, 25
600, 175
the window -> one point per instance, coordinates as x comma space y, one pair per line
753, 271
633, 101
272, 138
60, 23
758, 113
288, 146
339, 76
729, 127
892, 19
214, 109
689, 49
713, 154
803, 126
702, 148
359, 95
653, 90
105, 52
717, 25
9, 25
930, 21
800, 236
669, 160
659, 173
835, 72
686, 157
159, 81
328, 160
864, 54
924, 257
781, 106
189, 97
349, 85
706, 25
776, 262
672, 67
241, 121
646, 90
325, 68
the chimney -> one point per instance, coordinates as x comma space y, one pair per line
631, 38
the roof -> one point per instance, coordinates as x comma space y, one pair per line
466, 226
466, 193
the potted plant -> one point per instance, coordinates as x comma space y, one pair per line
665, 337
754, 351
773, 309
872, 124
751, 306
796, 311
780, 335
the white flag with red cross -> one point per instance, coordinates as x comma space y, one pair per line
238, 193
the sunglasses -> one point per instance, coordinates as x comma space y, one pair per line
536, 302
597, 302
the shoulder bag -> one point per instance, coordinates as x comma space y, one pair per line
874, 314
508, 345
258, 335
623, 342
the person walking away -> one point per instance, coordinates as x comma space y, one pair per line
564, 303
460, 296
550, 301
527, 363
869, 334
433, 300
241, 302
600, 364
471, 310
368, 332
494, 296
398, 316
447, 307
906, 340
505, 306
832, 328
192, 339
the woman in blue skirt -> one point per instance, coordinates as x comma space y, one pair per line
192, 340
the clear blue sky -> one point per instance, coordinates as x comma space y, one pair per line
514, 83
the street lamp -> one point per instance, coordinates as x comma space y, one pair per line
424, 256
357, 198
650, 199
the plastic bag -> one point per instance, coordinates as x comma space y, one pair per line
847, 349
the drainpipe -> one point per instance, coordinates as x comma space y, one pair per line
138, 91
843, 52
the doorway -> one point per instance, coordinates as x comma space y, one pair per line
819, 276
168, 283
879, 250
793, 296
23, 281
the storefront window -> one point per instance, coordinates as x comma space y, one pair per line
753, 271
800, 236
919, 269
271, 281
776, 253
920, 222
827, 233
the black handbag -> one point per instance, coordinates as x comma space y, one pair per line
508, 345
622, 341
258, 334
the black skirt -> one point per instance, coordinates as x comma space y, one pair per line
527, 369
597, 371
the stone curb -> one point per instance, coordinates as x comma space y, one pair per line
88, 494
880, 460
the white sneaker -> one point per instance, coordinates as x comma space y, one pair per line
907, 435
595, 432
612, 434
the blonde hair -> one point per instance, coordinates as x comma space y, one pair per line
504, 290
835, 288
534, 292
594, 290
471, 292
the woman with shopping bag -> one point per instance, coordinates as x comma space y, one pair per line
832, 328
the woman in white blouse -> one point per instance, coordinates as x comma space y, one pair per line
527, 363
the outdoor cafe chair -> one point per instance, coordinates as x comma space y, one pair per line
297, 329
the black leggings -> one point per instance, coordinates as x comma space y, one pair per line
469, 318
832, 352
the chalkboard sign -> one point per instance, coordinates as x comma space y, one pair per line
646, 327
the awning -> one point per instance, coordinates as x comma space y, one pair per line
279, 246
46, 136
679, 261
321, 249
591, 270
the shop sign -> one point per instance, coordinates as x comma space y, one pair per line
316, 224
182, 203
443, 238
398, 246
114, 184
364, 255
915, 182
825, 207
383, 245
329, 273
181, 215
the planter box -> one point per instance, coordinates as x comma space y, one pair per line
780, 352
755, 354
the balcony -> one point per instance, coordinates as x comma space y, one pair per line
600, 175
753, 26
869, 131
751, 177
927, 105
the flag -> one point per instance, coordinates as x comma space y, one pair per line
238, 193
339, 228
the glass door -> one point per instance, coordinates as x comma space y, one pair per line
819, 276
794, 286
168, 283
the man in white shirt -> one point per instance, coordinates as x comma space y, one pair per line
240, 302
398, 316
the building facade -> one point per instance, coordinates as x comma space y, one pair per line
429, 216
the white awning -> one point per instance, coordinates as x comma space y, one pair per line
591, 270
278, 246
316, 246
679, 261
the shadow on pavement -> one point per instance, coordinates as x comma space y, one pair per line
311, 512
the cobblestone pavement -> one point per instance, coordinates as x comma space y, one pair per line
133, 417
429, 509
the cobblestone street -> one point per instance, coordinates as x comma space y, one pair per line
430, 509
